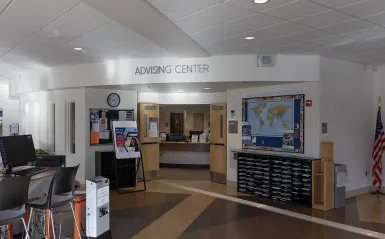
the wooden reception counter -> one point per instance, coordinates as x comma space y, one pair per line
184, 146
184, 154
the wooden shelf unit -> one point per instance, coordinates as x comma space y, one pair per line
323, 179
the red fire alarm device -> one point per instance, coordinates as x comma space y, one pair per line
309, 103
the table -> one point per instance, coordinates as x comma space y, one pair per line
38, 188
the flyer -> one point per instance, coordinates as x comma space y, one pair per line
126, 139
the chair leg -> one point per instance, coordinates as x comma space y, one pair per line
76, 223
53, 225
61, 220
29, 220
9, 232
46, 225
26, 230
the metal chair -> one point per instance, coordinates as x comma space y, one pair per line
60, 193
13, 197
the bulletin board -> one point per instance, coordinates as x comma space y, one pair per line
101, 130
274, 123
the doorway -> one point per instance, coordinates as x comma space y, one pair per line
185, 151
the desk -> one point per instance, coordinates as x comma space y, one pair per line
38, 189
185, 146
184, 154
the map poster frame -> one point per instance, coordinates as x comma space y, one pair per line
286, 135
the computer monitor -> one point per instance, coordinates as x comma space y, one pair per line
17, 150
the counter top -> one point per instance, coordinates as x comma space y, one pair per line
170, 142
259, 152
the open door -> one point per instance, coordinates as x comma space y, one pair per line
218, 140
148, 115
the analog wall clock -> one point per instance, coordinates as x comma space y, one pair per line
113, 100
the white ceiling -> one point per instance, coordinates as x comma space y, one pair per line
196, 87
43, 33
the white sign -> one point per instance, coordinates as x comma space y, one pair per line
342, 179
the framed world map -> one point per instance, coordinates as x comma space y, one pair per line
274, 123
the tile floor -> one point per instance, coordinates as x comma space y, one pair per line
165, 211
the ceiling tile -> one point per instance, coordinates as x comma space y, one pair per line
216, 33
245, 50
378, 41
284, 29
89, 42
365, 34
170, 15
324, 18
307, 35
32, 16
377, 19
348, 26
330, 40
2, 52
220, 13
365, 8
235, 41
150, 52
194, 23
3, 4
294, 10
249, 5
182, 6
293, 48
134, 43
40, 44
255, 21
276, 42
79, 21
67, 56
336, 3
113, 31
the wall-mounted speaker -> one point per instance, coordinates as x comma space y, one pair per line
265, 60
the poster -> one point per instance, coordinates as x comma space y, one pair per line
126, 139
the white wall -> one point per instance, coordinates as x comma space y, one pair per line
289, 68
379, 90
34, 112
312, 118
347, 98
182, 98
97, 98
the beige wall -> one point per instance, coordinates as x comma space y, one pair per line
165, 110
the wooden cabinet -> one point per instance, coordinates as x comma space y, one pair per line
150, 156
323, 179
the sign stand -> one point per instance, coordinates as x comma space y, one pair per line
127, 149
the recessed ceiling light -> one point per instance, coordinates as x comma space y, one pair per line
78, 48
207, 88
249, 38
260, 1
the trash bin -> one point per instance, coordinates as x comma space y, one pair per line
340, 181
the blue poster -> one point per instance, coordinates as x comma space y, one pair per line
126, 140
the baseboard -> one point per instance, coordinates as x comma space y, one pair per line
231, 184
358, 192
192, 166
